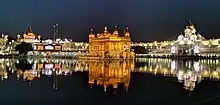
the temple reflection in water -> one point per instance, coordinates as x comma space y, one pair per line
111, 73
108, 73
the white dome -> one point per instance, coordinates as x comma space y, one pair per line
187, 31
193, 37
193, 31
180, 37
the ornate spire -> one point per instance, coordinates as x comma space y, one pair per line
126, 29
30, 29
116, 28
91, 31
115, 31
127, 34
190, 22
106, 29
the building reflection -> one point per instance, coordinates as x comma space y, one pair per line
104, 73
189, 73
110, 73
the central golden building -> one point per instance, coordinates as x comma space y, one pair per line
107, 45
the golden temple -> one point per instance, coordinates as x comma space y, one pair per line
107, 45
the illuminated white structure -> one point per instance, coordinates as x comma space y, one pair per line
3, 41
190, 43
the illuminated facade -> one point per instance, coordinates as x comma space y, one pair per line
3, 42
110, 73
29, 37
47, 47
105, 73
107, 45
189, 43
74, 46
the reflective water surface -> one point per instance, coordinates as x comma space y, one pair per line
143, 81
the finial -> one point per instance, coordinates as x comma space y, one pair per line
190, 22
127, 28
116, 28
91, 30
106, 29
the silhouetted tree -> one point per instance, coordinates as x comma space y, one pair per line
23, 65
140, 50
23, 48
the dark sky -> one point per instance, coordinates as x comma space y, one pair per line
148, 19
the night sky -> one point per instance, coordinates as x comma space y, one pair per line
148, 20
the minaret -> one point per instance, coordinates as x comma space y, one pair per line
55, 32
30, 29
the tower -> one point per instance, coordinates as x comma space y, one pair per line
55, 32
30, 29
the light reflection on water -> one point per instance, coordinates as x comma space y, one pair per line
103, 73
112, 73
187, 72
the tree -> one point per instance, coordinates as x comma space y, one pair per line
23, 48
140, 50
23, 65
